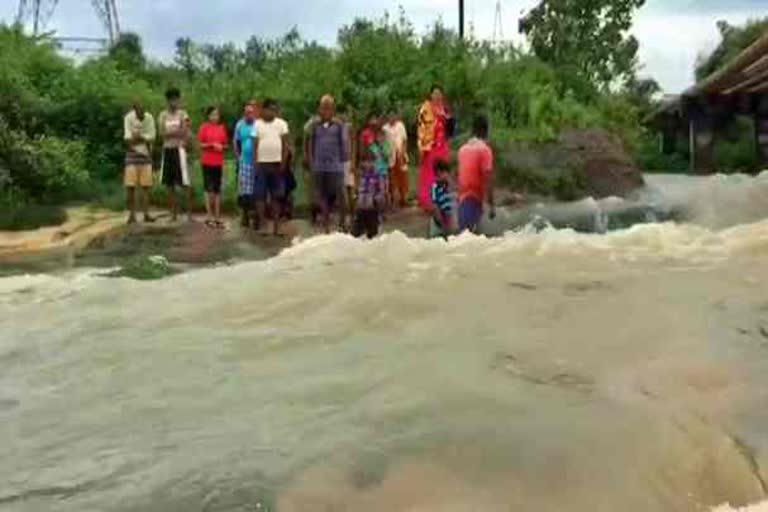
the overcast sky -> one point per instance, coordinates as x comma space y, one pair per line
671, 32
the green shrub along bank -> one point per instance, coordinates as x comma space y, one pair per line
61, 122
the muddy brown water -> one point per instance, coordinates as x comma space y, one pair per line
540, 370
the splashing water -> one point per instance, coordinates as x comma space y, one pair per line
543, 370
762, 507
714, 201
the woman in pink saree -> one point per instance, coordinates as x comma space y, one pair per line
433, 142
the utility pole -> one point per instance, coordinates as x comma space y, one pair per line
498, 25
39, 10
461, 19
37, 16
107, 12
21, 12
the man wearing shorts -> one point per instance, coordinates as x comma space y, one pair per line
272, 145
327, 153
175, 127
475, 177
139, 133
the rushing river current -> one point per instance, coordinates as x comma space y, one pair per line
542, 370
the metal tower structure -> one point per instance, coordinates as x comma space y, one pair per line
498, 24
107, 12
39, 13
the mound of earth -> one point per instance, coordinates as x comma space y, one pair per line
581, 163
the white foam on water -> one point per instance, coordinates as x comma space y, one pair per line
759, 507
716, 201
649, 241
38, 288
643, 242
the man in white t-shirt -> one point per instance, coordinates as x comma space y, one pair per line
272, 146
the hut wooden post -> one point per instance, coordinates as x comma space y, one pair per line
702, 140
761, 132
669, 133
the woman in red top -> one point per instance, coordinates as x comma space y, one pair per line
213, 140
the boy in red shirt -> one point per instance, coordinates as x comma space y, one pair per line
475, 177
213, 140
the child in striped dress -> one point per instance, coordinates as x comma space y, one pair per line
370, 202
441, 223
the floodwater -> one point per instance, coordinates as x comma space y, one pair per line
542, 370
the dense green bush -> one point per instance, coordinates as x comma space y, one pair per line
735, 147
44, 168
650, 158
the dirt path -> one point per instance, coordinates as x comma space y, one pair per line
86, 228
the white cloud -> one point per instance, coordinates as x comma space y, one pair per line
671, 42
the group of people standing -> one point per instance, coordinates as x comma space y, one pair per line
359, 175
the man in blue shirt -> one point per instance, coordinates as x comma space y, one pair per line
244, 138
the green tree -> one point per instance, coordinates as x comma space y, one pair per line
733, 40
642, 92
128, 53
587, 41
189, 56
370, 50
222, 58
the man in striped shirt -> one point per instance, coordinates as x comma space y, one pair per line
139, 133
